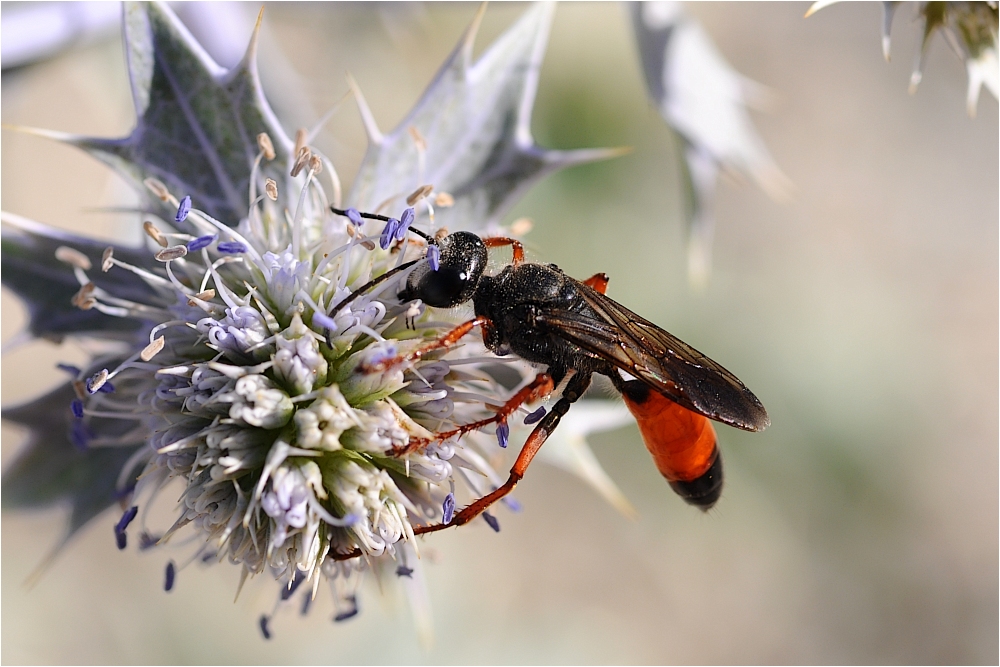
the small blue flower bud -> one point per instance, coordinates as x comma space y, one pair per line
201, 242
77, 407
492, 520
535, 416
448, 508
183, 209
434, 257
231, 247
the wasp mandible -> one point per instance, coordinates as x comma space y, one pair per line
543, 316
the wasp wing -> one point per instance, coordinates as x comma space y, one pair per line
650, 354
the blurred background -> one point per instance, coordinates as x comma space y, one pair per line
860, 528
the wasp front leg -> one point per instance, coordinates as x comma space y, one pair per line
500, 241
443, 342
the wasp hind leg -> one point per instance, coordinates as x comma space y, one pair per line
538, 388
574, 390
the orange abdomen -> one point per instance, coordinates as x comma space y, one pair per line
682, 444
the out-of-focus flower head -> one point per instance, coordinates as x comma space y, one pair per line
969, 28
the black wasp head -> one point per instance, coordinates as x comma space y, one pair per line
461, 264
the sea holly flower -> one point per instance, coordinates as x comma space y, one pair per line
239, 374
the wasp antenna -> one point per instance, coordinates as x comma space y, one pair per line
350, 212
370, 284
424, 235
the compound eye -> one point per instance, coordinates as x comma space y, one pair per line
463, 259
443, 288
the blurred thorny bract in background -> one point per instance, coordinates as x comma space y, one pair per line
705, 101
861, 527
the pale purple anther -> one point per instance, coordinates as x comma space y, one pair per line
503, 434
201, 242
492, 520
355, 217
122, 524
535, 416
232, 247
324, 321
168, 580
434, 257
405, 221
183, 209
448, 508
388, 233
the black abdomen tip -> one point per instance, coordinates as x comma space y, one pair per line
704, 491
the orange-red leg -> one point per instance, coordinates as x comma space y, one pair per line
528, 451
447, 340
499, 241
598, 282
538, 388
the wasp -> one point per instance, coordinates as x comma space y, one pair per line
542, 315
